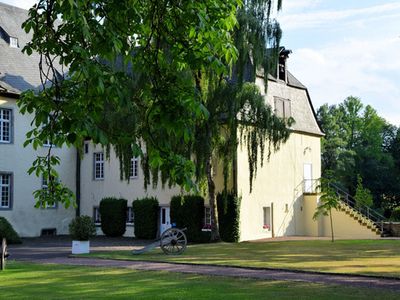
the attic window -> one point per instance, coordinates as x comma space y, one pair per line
282, 69
13, 42
283, 107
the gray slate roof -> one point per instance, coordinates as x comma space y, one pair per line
18, 71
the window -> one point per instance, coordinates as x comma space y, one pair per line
47, 142
129, 216
96, 216
45, 186
5, 188
207, 219
283, 107
99, 166
86, 147
13, 42
134, 169
5, 125
267, 218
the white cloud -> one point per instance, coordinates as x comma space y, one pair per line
26, 4
313, 19
289, 5
364, 68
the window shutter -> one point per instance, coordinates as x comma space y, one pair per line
279, 107
288, 109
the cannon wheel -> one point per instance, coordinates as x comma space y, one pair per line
3, 252
173, 241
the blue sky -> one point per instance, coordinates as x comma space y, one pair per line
341, 48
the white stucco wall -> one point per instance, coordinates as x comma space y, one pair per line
92, 191
14, 158
277, 184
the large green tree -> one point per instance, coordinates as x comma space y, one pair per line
359, 142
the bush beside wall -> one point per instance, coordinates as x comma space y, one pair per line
188, 212
228, 216
113, 216
8, 232
146, 217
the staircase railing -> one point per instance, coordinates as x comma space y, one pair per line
362, 209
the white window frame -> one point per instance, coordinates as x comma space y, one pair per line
45, 187
207, 219
134, 168
98, 166
13, 42
267, 218
129, 216
6, 188
96, 216
5, 123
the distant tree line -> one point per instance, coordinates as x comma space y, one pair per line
361, 153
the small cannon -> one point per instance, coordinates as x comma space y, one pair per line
4, 254
173, 241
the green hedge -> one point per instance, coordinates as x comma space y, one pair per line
188, 211
229, 214
146, 217
8, 232
113, 216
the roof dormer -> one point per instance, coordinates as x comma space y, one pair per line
282, 69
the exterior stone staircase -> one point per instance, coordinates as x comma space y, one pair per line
365, 215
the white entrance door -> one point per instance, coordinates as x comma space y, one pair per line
307, 178
165, 220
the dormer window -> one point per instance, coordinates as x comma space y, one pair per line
282, 69
13, 42
283, 56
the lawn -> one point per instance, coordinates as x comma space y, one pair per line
31, 281
368, 257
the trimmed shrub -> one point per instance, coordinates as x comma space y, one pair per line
8, 232
188, 211
82, 228
113, 216
395, 216
228, 217
146, 217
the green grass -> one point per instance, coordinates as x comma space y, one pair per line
368, 257
34, 281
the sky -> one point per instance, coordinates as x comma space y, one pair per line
343, 48
340, 49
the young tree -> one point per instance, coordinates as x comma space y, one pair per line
329, 200
363, 195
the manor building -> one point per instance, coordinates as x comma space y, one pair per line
282, 202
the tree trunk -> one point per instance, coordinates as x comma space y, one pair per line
213, 203
330, 216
